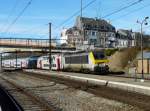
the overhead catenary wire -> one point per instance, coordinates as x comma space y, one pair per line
56, 27
143, 28
20, 14
76, 13
37, 34
40, 25
125, 7
9, 15
110, 14
131, 12
98, 10
69, 18
121, 9
33, 28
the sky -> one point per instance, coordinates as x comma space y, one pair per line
34, 21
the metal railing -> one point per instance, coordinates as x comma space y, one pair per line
26, 42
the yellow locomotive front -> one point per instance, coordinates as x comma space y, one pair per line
99, 61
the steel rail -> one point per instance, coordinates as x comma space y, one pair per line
34, 97
12, 103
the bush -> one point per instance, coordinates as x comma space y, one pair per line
119, 60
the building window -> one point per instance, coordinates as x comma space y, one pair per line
61, 34
113, 29
93, 33
102, 27
113, 34
88, 26
86, 32
92, 41
76, 33
95, 27
107, 28
107, 34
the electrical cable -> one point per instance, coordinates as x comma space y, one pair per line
9, 15
20, 14
69, 18
131, 12
123, 8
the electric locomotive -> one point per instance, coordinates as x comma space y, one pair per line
93, 61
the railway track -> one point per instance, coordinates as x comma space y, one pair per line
27, 100
69, 97
135, 99
8, 103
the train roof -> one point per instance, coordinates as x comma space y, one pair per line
84, 52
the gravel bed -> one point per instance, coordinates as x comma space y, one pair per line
67, 98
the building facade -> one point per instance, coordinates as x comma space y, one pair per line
93, 32
74, 36
125, 38
90, 31
96, 32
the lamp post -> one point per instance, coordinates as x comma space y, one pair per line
141, 28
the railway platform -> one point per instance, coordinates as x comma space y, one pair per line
124, 83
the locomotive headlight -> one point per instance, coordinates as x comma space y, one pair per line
101, 65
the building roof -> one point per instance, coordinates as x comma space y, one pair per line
124, 34
71, 30
94, 23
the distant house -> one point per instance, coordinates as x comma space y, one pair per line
71, 36
91, 31
146, 39
96, 31
125, 38
74, 36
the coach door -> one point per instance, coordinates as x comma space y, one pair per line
58, 64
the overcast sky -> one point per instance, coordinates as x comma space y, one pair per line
40, 12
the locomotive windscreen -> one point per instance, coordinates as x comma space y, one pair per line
99, 55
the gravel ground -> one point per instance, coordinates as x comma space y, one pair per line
66, 98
